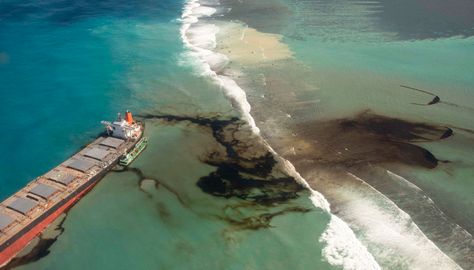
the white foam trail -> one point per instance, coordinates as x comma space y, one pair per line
201, 11
239, 97
201, 40
402, 238
203, 36
342, 248
429, 201
317, 198
401, 179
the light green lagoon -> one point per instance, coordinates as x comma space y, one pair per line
164, 221
335, 109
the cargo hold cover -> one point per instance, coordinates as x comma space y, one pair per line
112, 142
22, 205
5, 221
81, 165
44, 191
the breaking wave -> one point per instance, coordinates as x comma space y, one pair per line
342, 248
403, 243
200, 38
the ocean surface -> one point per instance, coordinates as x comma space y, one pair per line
331, 134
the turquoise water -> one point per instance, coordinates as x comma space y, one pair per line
81, 62
439, 61
443, 63
62, 71
352, 57
124, 223
66, 65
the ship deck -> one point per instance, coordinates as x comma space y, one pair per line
43, 193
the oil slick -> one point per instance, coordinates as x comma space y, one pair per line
436, 99
39, 247
368, 138
347, 159
245, 170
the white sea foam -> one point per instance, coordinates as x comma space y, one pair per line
203, 36
317, 198
394, 235
201, 11
342, 248
457, 233
403, 180
200, 39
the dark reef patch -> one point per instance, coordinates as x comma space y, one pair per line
369, 138
40, 250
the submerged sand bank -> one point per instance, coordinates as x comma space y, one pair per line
246, 45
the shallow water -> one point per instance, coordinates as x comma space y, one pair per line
160, 218
64, 68
154, 214
352, 57
200, 195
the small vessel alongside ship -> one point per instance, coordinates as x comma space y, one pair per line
132, 155
29, 211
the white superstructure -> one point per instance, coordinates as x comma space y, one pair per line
123, 128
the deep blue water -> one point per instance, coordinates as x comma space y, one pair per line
64, 66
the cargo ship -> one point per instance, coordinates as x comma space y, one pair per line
25, 214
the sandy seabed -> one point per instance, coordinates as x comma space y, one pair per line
246, 45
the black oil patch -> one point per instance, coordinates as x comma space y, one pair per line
262, 221
227, 182
163, 211
141, 177
245, 169
39, 251
369, 138
370, 147
436, 99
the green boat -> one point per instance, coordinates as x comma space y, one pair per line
132, 155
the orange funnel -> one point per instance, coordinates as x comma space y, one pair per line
129, 117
